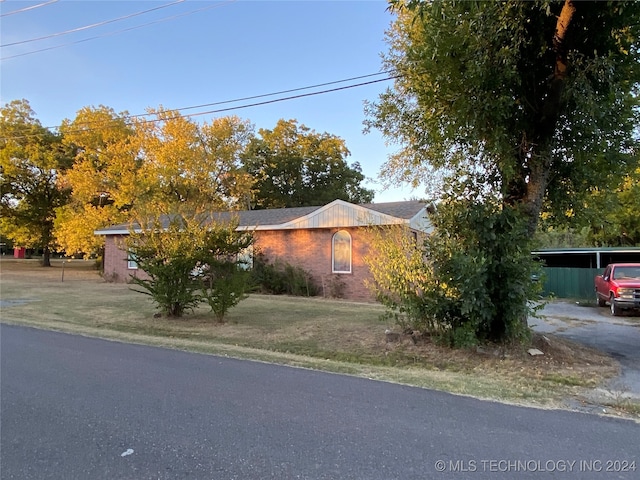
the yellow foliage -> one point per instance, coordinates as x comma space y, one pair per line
396, 263
73, 228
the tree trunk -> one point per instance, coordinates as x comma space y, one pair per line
538, 151
46, 257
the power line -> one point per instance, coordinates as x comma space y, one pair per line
223, 102
29, 8
294, 97
173, 17
238, 107
94, 25
255, 104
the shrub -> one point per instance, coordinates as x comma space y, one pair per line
175, 257
282, 278
471, 280
224, 286
333, 286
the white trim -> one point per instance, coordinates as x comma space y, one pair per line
132, 264
333, 257
114, 232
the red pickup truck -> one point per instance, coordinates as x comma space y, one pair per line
620, 286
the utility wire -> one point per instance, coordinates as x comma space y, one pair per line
276, 100
248, 105
238, 107
281, 92
29, 8
94, 25
173, 17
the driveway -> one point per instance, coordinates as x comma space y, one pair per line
596, 327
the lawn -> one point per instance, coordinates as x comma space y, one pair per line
331, 335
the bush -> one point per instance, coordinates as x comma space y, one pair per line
224, 286
471, 280
186, 261
282, 278
171, 285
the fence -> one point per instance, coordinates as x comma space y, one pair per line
564, 282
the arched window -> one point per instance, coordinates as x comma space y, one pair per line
341, 252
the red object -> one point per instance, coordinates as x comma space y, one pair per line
19, 252
619, 285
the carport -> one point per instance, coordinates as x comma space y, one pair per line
569, 272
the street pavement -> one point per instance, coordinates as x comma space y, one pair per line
82, 408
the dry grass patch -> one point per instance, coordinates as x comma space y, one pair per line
330, 335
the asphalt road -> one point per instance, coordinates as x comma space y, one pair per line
82, 408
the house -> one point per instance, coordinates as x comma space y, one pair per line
329, 241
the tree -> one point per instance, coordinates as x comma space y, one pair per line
616, 221
189, 259
513, 103
127, 168
103, 180
184, 163
294, 166
31, 160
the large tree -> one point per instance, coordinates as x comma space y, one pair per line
31, 160
186, 163
295, 166
615, 213
103, 179
512, 104
127, 167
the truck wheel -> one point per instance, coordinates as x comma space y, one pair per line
615, 310
601, 302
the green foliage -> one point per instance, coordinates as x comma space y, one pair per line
296, 167
450, 287
31, 159
281, 278
549, 236
188, 259
502, 88
615, 221
502, 108
168, 256
481, 255
126, 166
402, 280
102, 180
266, 277
224, 286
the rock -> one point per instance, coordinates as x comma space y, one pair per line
391, 336
534, 351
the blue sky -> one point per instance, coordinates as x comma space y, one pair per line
216, 51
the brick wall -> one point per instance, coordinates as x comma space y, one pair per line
309, 249
116, 268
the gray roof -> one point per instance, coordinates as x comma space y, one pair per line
406, 210
278, 216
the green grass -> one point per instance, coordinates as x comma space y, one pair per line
336, 336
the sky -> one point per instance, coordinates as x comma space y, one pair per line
187, 53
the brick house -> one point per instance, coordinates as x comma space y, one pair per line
329, 241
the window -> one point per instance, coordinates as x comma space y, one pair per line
245, 258
131, 263
341, 252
